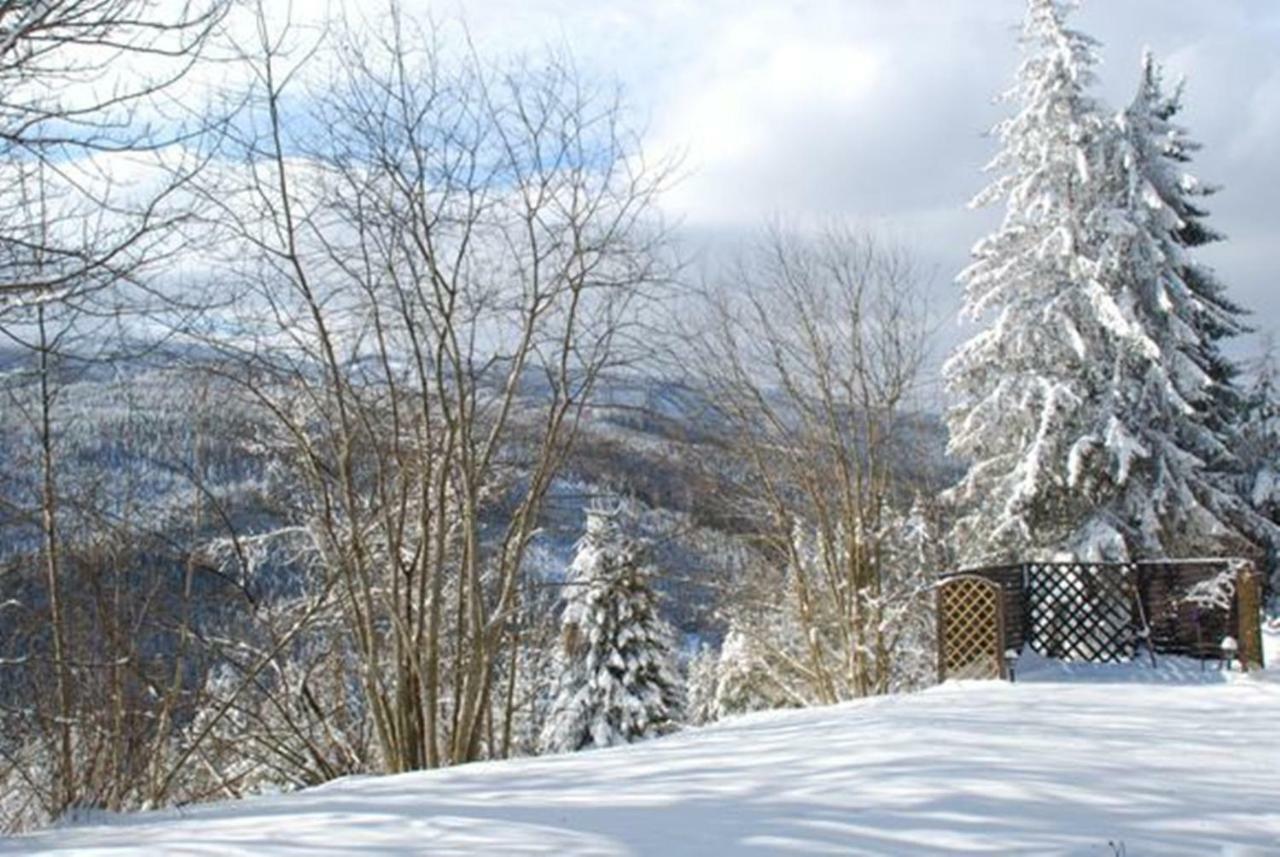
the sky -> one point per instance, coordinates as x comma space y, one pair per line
877, 111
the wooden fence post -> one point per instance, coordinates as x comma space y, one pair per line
938, 633
1249, 618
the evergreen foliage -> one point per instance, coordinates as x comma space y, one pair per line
700, 687
743, 683
1095, 407
618, 683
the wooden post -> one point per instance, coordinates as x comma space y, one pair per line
1002, 664
1249, 618
941, 637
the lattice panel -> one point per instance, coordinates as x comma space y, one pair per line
1081, 612
969, 613
1180, 627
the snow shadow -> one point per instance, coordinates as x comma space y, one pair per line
1167, 670
1059, 768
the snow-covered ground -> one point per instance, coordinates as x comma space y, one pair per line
1080, 761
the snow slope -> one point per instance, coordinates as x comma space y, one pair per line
1065, 761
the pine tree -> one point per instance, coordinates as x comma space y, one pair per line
1260, 455
700, 687
1023, 386
742, 680
1188, 405
1169, 150
1165, 150
617, 680
1090, 407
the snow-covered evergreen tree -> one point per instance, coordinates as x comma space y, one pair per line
1260, 455
913, 556
792, 642
743, 683
1245, 420
1086, 406
1173, 390
1157, 151
617, 679
700, 686
1260, 436
1166, 150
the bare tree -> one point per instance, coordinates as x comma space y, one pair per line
437, 265
83, 83
101, 641
811, 353
92, 169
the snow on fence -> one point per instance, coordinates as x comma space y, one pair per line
1097, 612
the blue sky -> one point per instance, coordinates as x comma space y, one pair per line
877, 111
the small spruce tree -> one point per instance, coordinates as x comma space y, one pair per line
912, 557
1260, 434
1260, 456
700, 687
617, 680
743, 683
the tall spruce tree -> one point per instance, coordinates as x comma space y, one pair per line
617, 682
1021, 387
1196, 406
1167, 154
1085, 406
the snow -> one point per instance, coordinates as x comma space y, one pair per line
1183, 760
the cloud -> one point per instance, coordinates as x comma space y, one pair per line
877, 111
744, 117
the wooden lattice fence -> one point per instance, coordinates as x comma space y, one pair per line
1082, 612
1096, 612
971, 621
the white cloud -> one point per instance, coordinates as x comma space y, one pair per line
876, 110
735, 114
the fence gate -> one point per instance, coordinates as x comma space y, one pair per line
970, 628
